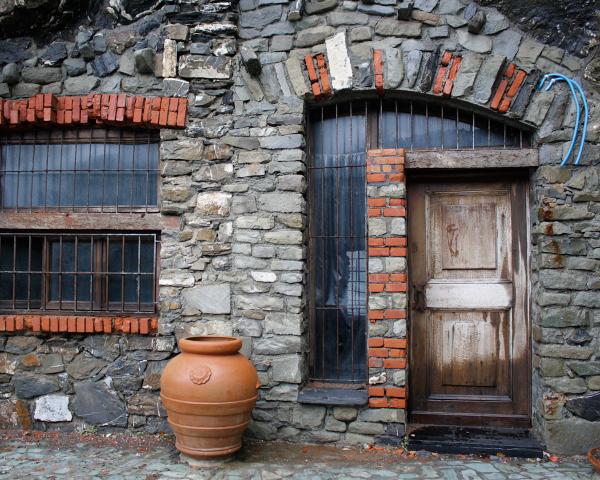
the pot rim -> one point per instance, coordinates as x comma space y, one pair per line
210, 344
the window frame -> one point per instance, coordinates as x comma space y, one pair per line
69, 220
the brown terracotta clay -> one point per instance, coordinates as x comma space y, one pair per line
594, 458
209, 391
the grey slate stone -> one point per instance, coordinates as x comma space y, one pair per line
426, 5
174, 87
11, 73
389, 27
80, 85
97, 404
261, 17
30, 386
506, 43
42, 75
393, 68
413, 65
463, 85
55, 54
199, 66
528, 52
336, 19
495, 22
313, 36
213, 299
105, 64
74, 66
587, 407
439, 32
21, 345
475, 43
491, 67
381, 10
571, 436
144, 60
317, 6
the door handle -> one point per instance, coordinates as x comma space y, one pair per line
419, 298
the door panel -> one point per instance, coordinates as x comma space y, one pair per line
469, 326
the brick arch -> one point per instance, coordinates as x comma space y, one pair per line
505, 89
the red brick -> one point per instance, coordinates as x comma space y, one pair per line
2, 324
397, 252
396, 242
510, 70
19, 323
36, 323
375, 342
397, 403
516, 84
376, 287
394, 363
374, 212
376, 391
376, 202
72, 324
378, 68
397, 202
394, 314
107, 325
397, 392
375, 314
323, 75
446, 57
144, 326
438, 84
45, 324
54, 324
394, 212
375, 178
379, 252
396, 353
379, 277
378, 352
395, 342
396, 287
135, 325
375, 242
89, 324
398, 277
63, 324
98, 325
80, 328
397, 177
378, 402
499, 94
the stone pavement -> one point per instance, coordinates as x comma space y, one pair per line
75, 456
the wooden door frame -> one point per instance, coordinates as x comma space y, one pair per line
521, 178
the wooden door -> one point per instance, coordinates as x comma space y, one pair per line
469, 325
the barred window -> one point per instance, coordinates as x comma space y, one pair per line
80, 170
78, 272
78, 221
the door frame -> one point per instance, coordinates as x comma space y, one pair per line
521, 177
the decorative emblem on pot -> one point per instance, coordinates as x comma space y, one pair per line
200, 375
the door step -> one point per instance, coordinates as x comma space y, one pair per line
512, 442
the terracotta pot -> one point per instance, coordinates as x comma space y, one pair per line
594, 458
209, 391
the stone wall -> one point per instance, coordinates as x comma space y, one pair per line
233, 182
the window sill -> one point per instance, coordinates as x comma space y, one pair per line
333, 396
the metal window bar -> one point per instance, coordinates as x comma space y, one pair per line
36, 169
337, 241
57, 260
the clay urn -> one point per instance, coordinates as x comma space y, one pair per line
209, 391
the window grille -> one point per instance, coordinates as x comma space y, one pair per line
78, 272
89, 170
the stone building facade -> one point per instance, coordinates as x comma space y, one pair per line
234, 162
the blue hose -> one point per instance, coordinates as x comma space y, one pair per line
573, 85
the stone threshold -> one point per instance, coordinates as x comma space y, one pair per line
333, 396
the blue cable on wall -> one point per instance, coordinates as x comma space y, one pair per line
575, 88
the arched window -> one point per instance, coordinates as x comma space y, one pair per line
339, 137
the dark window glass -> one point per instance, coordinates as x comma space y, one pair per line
79, 170
78, 272
338, 247
426, 125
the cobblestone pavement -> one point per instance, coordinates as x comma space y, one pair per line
73, 456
